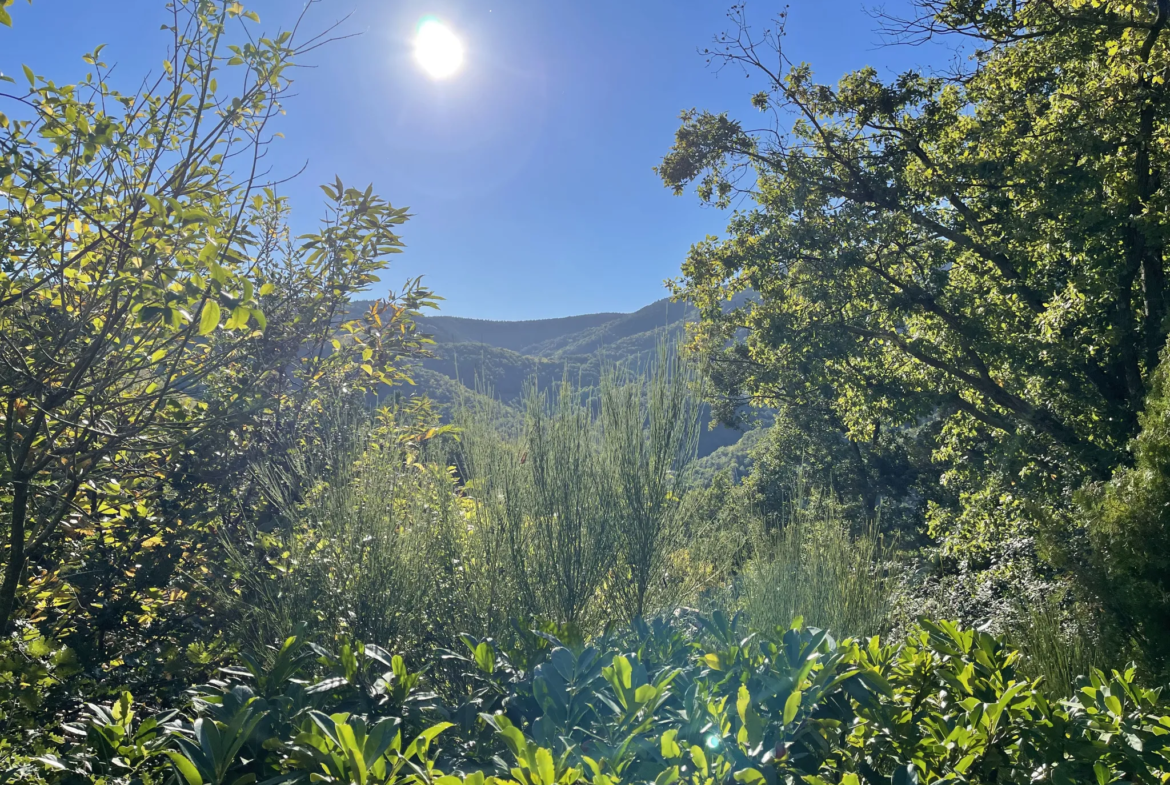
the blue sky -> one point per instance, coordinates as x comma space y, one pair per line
529, 173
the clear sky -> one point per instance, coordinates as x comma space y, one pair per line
528, 172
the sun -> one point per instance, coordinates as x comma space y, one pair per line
438, 50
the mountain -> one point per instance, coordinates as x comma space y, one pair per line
614, 334
517, 336
499, 358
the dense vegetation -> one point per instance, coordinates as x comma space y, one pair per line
258, 529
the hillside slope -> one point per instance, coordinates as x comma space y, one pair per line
474, 357
621, 336
517, 336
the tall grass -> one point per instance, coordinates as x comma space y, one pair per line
574, 513
650, 430
810, 563
546, 497
1059, 641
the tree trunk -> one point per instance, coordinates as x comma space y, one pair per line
15, 565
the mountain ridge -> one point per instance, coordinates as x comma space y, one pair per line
499, 358
563, 336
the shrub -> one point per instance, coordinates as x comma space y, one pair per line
695, 699
373, 548
543, 503
650, 431
580, 513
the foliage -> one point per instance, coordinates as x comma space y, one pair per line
1061, 639
373, 534
582, 510
161, 333
694, 699
650, 431
545, 503
965, 272
948, 293
373, 548
1129, 533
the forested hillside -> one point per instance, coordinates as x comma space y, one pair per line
501, 359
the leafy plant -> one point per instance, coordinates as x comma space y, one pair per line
208, 750
115, 746
698, 699
339, 749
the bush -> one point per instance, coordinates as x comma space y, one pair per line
580, 511
376, 547
695, 699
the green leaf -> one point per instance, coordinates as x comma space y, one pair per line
792, 706
485, 657
352, 750
185, 767
513, 738
423, 740
209, 319
545, 768
645, 693
699, 758
239, 318
667, 776
750, 777
623, 671
669, 745
752, 732
876, 682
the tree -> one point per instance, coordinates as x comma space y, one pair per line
152, 300
1128, 523
984, 251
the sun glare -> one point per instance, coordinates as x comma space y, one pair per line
437, 49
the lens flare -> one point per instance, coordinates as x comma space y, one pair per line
438, 50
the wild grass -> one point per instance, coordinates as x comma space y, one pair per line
1059, 641
650, 432
810, 563
577, 515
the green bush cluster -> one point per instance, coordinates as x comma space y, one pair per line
691, 698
